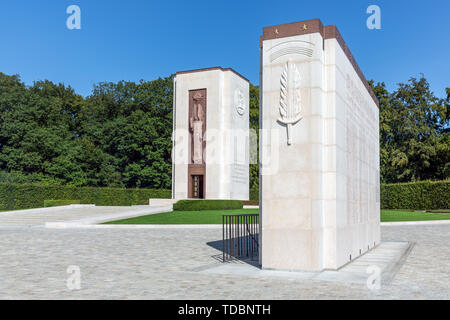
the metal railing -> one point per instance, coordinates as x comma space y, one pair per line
240, 236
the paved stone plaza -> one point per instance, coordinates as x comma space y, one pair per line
161, 264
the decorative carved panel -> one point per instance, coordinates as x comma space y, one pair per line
197, 125
197, 129
290, 104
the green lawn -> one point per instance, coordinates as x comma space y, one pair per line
184, 217
395, 216
215, 217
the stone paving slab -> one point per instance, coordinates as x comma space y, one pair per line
81, 214
121, 213
158, 264
47, 209
385, 256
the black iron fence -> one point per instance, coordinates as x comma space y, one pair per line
240, 236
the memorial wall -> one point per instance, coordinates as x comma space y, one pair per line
319, 183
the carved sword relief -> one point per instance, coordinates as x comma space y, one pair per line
290, 104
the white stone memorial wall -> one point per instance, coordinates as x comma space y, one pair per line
319, 193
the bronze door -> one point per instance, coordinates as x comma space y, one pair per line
197, 187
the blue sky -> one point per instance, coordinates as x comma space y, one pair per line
137, 39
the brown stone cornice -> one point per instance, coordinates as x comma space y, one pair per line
213, 68
292, 29
327, 32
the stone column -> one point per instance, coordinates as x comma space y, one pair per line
291, 187
210, 105
320, 131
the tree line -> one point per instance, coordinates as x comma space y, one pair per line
120, 135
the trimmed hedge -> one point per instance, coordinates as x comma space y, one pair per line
254, 194
250, 203
422, 195
26, 196
200, 205
56, 203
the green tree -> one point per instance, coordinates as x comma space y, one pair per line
254, 125
132, 124
38, 130
414, 144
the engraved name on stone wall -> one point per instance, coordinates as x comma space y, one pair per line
239, 174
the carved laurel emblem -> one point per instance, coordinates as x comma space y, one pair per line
290, 104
